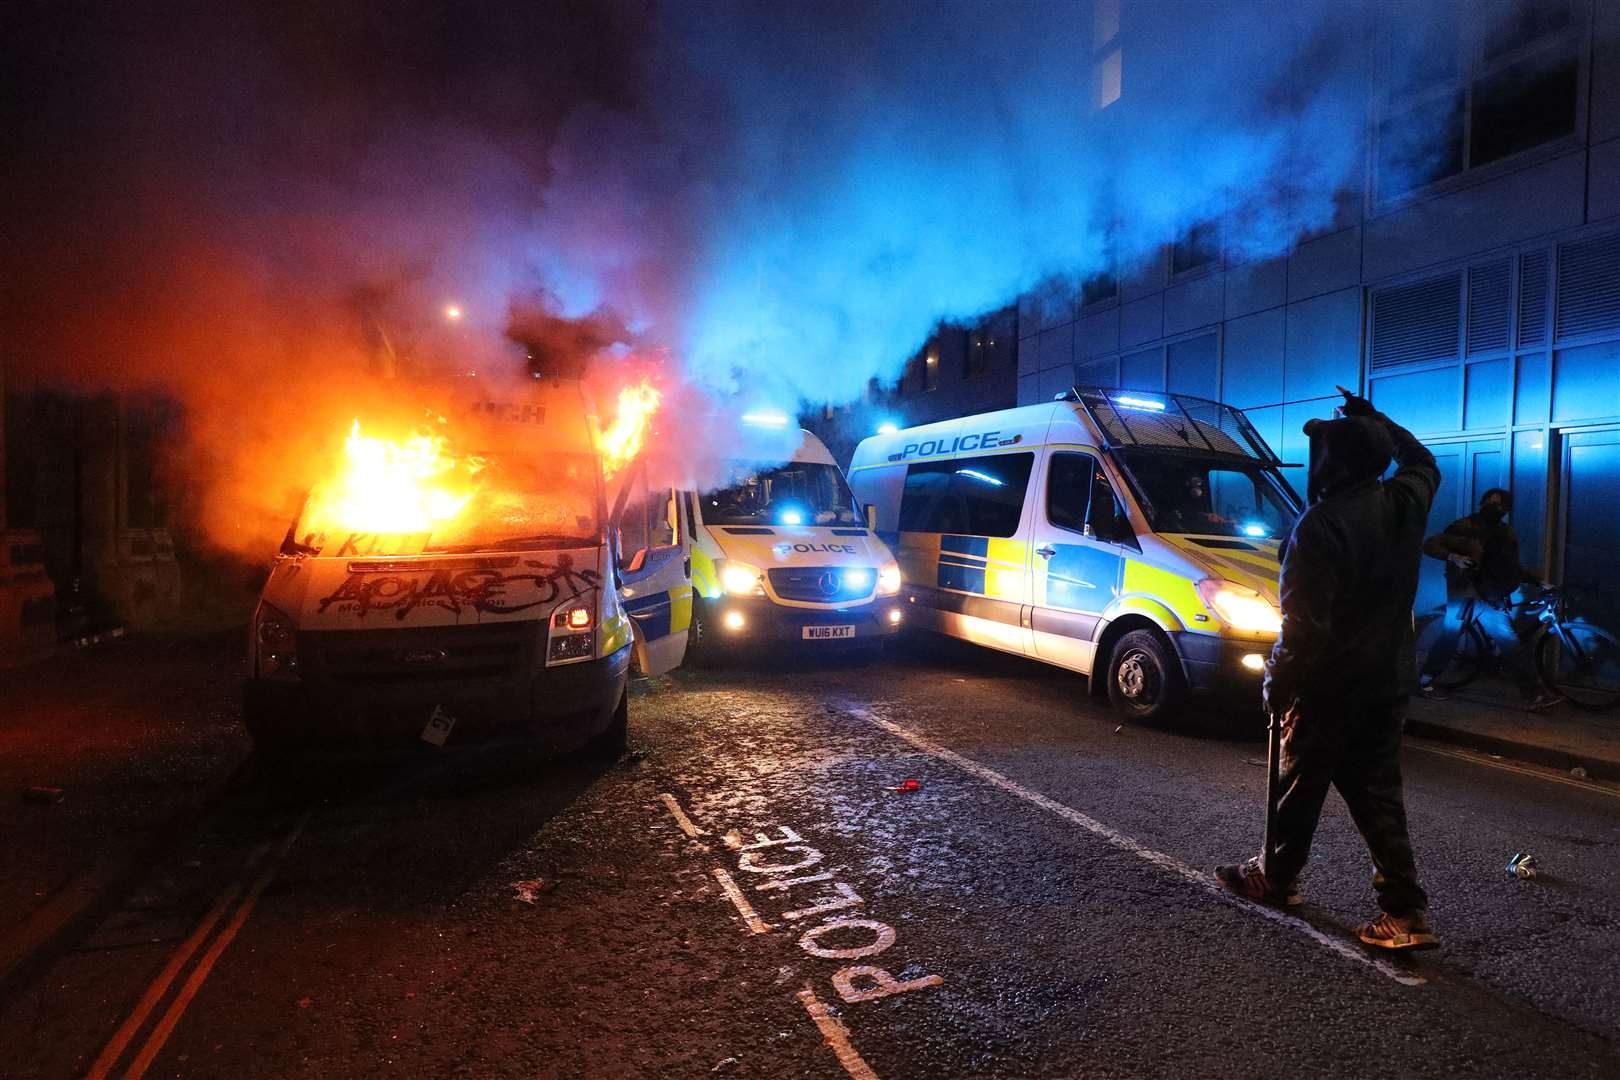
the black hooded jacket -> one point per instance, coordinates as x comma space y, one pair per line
1350, 566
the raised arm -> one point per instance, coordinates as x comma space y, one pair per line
1416, 474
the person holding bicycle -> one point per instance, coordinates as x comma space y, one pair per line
1481, 552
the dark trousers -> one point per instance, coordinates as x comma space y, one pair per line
1498, 624
1356, 748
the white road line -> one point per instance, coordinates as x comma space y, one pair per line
751, 917
1141, 851
836, 1036
165, 1027
1522, 770
680, 817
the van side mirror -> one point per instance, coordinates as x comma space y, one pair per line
870, 513
635, 562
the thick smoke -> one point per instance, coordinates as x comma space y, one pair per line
260, 209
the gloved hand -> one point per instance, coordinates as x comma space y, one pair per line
1355, 405
1275, 696
1461, 562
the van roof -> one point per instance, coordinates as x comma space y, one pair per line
1082, 416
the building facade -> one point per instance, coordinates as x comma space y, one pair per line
1480, 308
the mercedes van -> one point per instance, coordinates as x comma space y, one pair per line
1130, 536
781, 553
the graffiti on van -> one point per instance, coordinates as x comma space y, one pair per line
488, 590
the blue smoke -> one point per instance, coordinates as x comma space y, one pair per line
809, 192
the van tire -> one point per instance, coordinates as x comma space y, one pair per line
614, 739
699, 646
1145, 681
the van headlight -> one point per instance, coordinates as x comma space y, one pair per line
275, 643
740, 579
1239, 606
888, 579
573, 633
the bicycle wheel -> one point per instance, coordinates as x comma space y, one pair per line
1582, 663
1472, 655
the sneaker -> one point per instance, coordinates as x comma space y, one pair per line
1431, 690
1542, 699
1249, 881
1399, 931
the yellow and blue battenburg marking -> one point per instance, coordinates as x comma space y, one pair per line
661, 614
983, 565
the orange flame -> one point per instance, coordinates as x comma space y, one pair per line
395, 486
623, 439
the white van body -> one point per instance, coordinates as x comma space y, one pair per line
1054, 531
523, 619
782, 553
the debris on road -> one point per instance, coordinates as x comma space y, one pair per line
528, 891
1119, 729
1578, 772
40, 793
726, 1065
1522, 865
909, 785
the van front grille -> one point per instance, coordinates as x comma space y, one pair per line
823, 584
417, 654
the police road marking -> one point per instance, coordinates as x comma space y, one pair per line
680, 817
750, 917
836, 1035
1125, 843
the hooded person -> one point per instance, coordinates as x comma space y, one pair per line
1481, 552
1339, 672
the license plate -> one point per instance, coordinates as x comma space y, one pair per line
823, 633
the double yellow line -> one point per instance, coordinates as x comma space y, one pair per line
235, 902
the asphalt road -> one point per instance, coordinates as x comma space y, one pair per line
757, 891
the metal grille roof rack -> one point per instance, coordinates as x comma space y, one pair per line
1152, 419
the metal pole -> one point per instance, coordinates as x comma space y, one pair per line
1273, 770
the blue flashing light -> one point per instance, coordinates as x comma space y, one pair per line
765, 419
1139, 403
983, 478
792, 517
888, 427
1253, 529
857, 580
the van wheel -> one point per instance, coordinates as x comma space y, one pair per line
1144, 680
699, 646
611, 744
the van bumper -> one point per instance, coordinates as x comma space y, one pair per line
1214, 665
561, 705
763, 620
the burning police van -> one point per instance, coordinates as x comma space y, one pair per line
781, 552
1130, 536
425, 590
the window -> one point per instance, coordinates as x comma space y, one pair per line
930, 367
650, 519
1187, 495
1078, 496
1199, 246
983, 343
981, 496
1103, 285
798, 493
1456, 99
1107, 58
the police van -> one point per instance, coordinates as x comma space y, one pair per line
1130, 536
512, 597
782, 553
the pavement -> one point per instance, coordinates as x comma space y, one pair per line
946, 864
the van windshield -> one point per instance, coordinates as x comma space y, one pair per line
520, 502
798, 493
1184, 494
